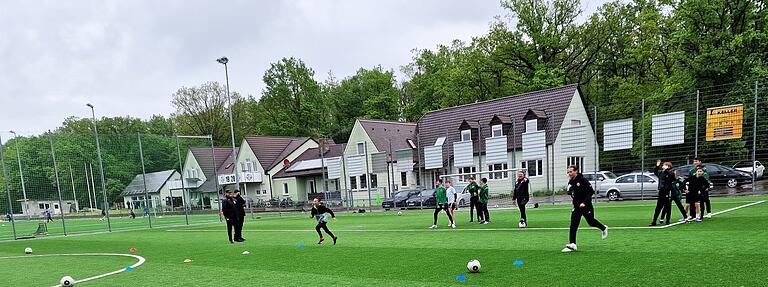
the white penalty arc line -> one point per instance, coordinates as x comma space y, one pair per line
472, 229
137, 264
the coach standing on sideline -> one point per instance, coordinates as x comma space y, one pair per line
240, 204
581, 191
229, 211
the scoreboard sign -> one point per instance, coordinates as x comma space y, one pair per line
725, 123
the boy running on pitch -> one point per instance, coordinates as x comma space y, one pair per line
321, 213
441, 200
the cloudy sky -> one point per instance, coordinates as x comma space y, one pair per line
128, 57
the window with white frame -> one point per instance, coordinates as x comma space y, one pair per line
534, 167
531, 126
285, 189
439, 141
312, 186
497, 131
352, 182
465, 173
404, 178
360, 148
363, 182
498, 175
466, 135
374, 180
577, 161
575, 122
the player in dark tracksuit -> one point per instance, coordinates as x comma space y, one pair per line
666, 178
581, 190
697, 185
677, 190
521, 196
474, 199
706, 205
321, 213
240, 204
230, 212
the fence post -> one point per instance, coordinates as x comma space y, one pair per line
144, 179
216, 175
181, 170
58, 185
74, 193
367, 175
7, 191
596, 151
696, 147
754, 142
642, 151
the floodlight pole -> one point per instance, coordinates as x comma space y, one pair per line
101, 168
183, 192
144, 180
224, 61
58, 183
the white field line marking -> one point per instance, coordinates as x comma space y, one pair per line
86, 233
468, 229
137, 264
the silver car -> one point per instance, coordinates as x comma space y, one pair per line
633, 185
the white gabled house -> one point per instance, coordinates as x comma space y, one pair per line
542, 132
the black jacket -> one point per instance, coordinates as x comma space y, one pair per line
666, 179
580, 190
697, 185
229, 208
521, 189
320, 209
240, 204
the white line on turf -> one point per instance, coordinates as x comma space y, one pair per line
469, 229
137, 264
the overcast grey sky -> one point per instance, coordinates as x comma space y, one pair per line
128, 57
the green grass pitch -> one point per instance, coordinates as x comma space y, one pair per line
384, 249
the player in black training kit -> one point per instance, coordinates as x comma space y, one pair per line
521, 196
581, 191
321, 213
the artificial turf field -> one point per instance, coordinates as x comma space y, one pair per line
384, 249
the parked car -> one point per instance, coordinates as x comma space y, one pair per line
425, 198
600, 180
398, 200
633, 185
720, 175
746, 166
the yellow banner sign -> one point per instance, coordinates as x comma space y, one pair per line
725, 122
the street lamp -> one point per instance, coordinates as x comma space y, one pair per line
21, 175
224, 61
101, 168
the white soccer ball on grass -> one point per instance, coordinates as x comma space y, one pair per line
67, 281
473, 266
28, 250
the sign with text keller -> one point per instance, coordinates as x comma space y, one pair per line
725, 123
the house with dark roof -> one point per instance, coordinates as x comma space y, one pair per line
542, 132
158, 187
200, 174
379, 159
259, 159
306, 174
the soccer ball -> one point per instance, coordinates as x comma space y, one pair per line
473, 266
28, 250
522, 224
399, 213
67, 281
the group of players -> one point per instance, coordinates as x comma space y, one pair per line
671, 189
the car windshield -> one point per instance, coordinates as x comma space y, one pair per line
743, 164
610, 175
427, 193
402, 194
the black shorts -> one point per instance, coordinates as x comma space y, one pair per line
451, 206
443, 206
692, 197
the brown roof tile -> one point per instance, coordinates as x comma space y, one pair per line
271, 150
382, 133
